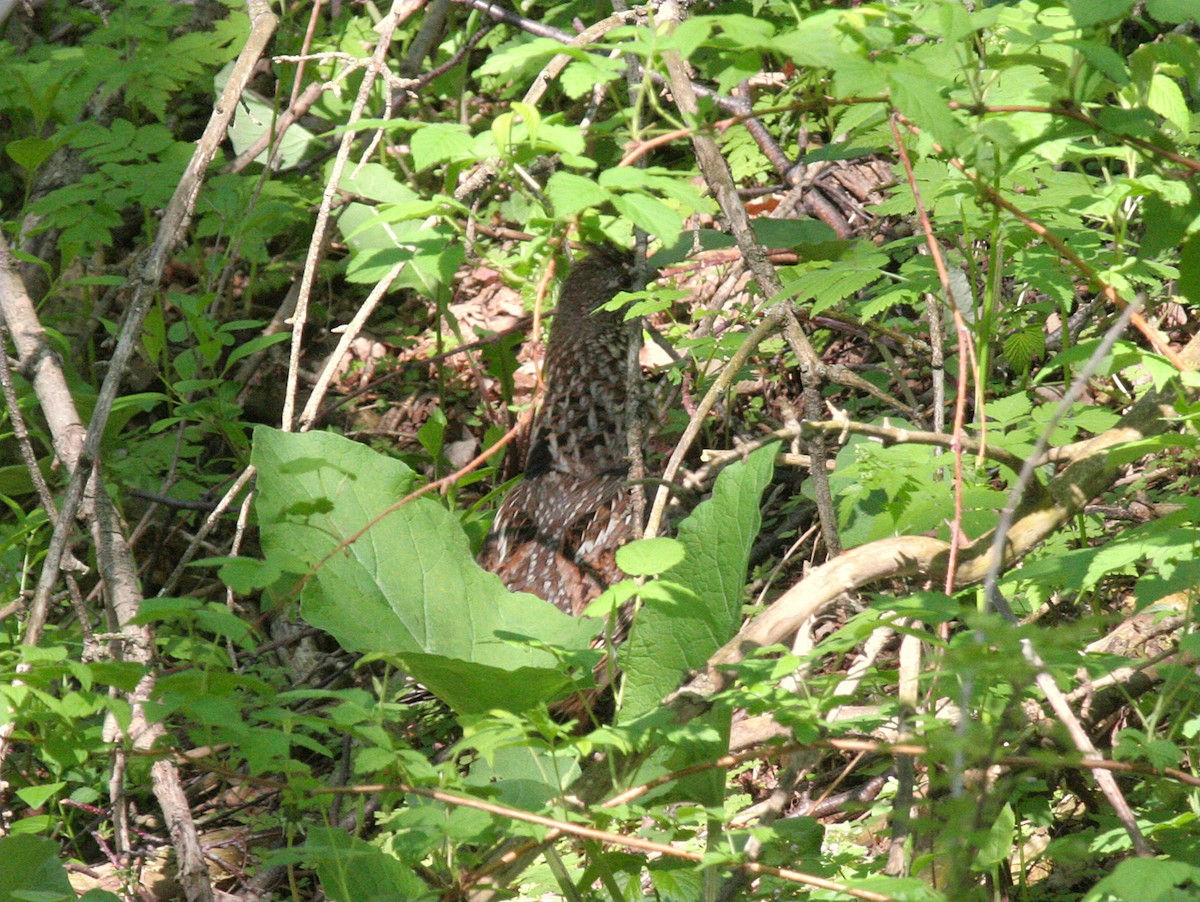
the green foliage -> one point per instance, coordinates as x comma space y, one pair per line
408, 587
32, 871
131, 164
696, 606
349, 868
1081, 115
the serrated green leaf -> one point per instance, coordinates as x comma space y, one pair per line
31, 865
375, 182
582, 76
745, 31
441, 142
690, 34
571, 194
1092, 12
1157, 584
877, 306
1103, 59
563, 139
651, 214
920, 95
1145, 880
996, 846
1022, 348
792, 232
1165, 98
37, 796
255, 118
812, 42
828, 285
350, 868
520, 53
29, 153
1173, 11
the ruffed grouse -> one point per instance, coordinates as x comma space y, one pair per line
557, 532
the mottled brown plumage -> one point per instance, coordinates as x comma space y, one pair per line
557, 532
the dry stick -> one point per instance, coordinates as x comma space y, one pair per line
604, 836
522, 325
766, 751
859, 746
488, 168
210, 523
426, 40
1104, 779
14, 296
400, 11
894, 435
298, 105
964, 347
559, 827
117, 568
711, 161
557, 63
20, 432
1045, 681
273, 138
720, 182
636, 401
768, 324
349, 333
310, 414
1088, 475
40, 364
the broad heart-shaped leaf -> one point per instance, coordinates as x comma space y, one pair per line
408, 588
32, 870
698, 610
669, 639
352, 868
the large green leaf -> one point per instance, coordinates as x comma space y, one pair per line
32, 870
700, 606
353, 870
694, 609
408, 588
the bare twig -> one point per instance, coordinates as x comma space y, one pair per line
400, 11
720, 182
79, 452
